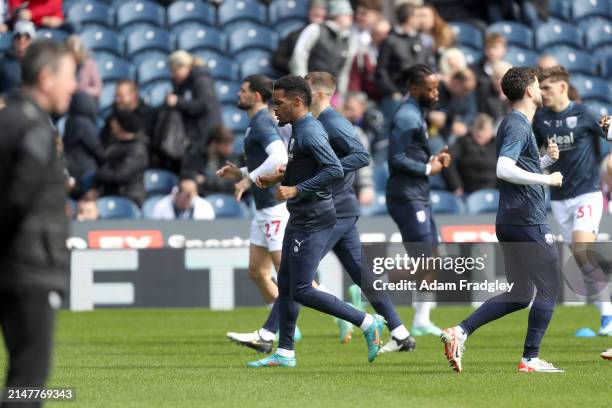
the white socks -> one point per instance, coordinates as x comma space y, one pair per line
367, 322
605, 308
285, 353
461, 335
400, 332
421, 315
266, 335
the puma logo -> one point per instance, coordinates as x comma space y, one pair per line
297, 247
299, 242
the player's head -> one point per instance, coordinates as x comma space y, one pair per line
521, 83
49, 69
255, 90
322, 86
423, 85
292, 98
554, 83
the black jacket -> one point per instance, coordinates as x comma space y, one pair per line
197, 162
284, 52
198, 105
83, 149
123, 171
145, 113
397, 52
33, 224
473, 166
10, 72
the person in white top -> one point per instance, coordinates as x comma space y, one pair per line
183, 204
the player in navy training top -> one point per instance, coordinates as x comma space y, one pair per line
577, 205
312, 170
530, 255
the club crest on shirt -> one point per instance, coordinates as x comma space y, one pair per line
421, 217
571, 121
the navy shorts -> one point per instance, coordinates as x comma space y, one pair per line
415, 222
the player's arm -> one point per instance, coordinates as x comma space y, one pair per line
277, 155
354, 154
508, 170
551, 156
401, 136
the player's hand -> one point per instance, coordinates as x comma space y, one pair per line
269, 179
284, 193
604, 122
556, 179
366, 196
444, 157
436, 166
241, 186
553, 150
230, 171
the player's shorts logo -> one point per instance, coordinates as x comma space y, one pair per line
297, 247
421, 217
549, 238
571, 121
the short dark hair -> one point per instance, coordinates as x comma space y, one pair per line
493, 38
260, 84
555, 74
322, 79
294, 85
404, 12
41, 54
516, 80
220, 134
416, 74
375, 5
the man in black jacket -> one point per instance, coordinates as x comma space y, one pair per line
33, 224
10, 73
124, 161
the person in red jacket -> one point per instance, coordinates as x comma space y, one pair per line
43, 13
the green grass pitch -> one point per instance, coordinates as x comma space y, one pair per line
181, 358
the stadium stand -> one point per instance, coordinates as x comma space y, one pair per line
225, 206
111, 208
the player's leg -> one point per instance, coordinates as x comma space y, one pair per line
260, 271
349, 251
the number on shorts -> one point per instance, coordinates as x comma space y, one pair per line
583, 210
272, 228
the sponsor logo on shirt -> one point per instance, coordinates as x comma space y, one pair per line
565, 142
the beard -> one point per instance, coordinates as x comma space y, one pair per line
427, 103
244, 105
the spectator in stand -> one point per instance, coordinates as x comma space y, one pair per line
125, 161
328, 47
472, 11
363, 71
10, 69
369, 121
43, 13
208, 156
367, 14
458, 100
194, 96
88, 75
127, 98
281, 58
82, 147
4, 16
183, 204
474, 159
491, 99
436, 34
87, 209
547, 61
495, 46
401, 49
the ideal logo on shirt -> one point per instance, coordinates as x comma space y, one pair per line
565, 142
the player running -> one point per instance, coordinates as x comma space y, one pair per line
530, 256
410, 164
264, 150
311, 171
577, 205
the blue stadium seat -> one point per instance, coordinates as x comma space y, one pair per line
153, 70
106, 99
231, 11
67, 4
200, 37
149, 205
256, 62
287, 10
515, 33
182, 12
590, 88
550, 34
598, 108
598, 33
379, 207
284, 28
518, 57
380, 176
250, 36
102, 40
113, 68
606, 66
559, 9
113, 207
226, 206
158, 181
220, 67
444, 202
472, 56
468, 35
141, 42
235, 119
52, 34
155, 93
482, 201
591, 8
227, 91
140, 11
575, 61
6, 40
90, 12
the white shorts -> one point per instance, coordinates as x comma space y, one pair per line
268, 227
582, 213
